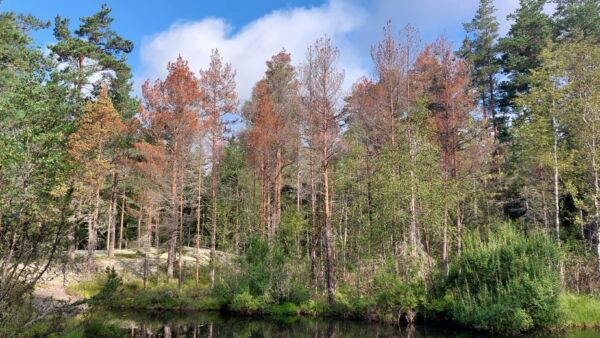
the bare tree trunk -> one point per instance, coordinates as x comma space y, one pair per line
556, 178
277, 194
329, 244
139, 227
544, 205
458, 230
157, 231
556, 193
112, 217
313, 241
93, 231
596, 192
174, 221
180, 242
298, 185
238, 226
413, 199
122, 220
71, 248
145, 276
198, 222
445, 239
71, 236
213, 233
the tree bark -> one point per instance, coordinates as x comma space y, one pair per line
313, 241
112, 217
329, 244
596, 192
277, 194
174, 221
93, 231
122, 220
198, 222
213, 233
180, 243
556, 192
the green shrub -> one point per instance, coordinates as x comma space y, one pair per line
98, 329
504, 282
580, 310
285, 309
395, 296
245, 302
263, 273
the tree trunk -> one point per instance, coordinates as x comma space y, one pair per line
71, 249
198, 222
544, 204
556, 178
445, 240
313, 241
93, 231
458, 230
213, 232
174, 221
329, 244
112, 217
298, 186
263, 198
180, 243
71, 236
413, 199
277, 194
139, 227
122, 220
556, 193
596, 192
145, 276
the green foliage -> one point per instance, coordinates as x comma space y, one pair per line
532, 28
393, 295
164, 296
86, 289
580, 310
244, 302
263, 277
504, 281
100, 329
110, 287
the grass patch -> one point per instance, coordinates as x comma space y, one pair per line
580, 310
163, 296
86, 289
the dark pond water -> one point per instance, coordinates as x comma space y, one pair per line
215, 325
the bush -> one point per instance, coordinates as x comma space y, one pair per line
98, 329
261, 278
504, 282
245, 302
398, 298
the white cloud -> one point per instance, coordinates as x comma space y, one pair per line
248, 48
354, 26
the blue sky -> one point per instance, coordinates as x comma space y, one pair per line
248, 32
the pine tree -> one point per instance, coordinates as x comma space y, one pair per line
219, 99
520, 49
90, 147
479, 51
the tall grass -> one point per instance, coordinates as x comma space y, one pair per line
505, 281
580, 310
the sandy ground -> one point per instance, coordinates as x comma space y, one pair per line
128, 263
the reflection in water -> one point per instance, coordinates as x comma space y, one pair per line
215, 325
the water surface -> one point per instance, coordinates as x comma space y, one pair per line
215, 325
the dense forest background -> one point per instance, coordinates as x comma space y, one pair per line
341, 193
